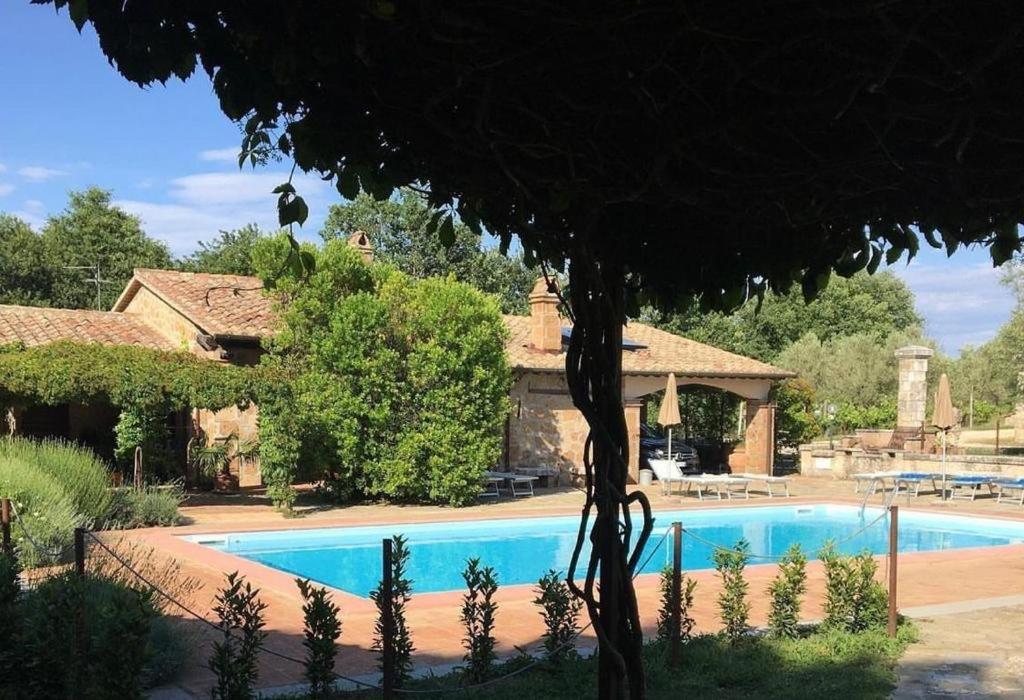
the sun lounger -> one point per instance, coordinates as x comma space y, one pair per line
909, 483
517, 484
1005, 487
767, 480
872, 480
668, 473
968, 487
705, 482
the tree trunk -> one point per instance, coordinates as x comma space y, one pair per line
594, 374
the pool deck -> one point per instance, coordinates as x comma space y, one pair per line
932, 581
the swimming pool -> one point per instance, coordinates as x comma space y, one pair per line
521, 550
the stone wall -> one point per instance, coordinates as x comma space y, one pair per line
545, 429
912, 395
840, 463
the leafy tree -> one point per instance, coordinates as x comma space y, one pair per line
797, 416
400, 386
398, 228
230, 253
25, 277
693, 152
91, 231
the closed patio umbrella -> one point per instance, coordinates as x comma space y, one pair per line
668, 414
942, 418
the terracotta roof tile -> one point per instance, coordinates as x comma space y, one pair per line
664, 353
222, 305
38, 326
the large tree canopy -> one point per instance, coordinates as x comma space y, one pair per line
710, 146
684, 148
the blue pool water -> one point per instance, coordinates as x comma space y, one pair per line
521, 550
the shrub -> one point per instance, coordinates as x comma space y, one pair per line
686, 622
111, 662
161, 571
785, 590
55, 487
401, 588
167, 649
145, 507
733, 605
478, 611
234, 658
321, 630
10, 619
854, 600
561, 611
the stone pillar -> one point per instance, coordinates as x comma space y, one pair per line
760, 436
912, 395
632, 410
361, 242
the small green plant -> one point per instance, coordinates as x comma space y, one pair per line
854, 600
234, 662
321, 629
211, 460
785, 590
478, 611
686, 622
401, 588
733, 605
10, 619
148, 506
561, 611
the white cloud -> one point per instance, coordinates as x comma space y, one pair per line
3, 168
228, 155
5, 189
202, 204
963, 304
38, 173
34, 205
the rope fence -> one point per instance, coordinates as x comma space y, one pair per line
82, 535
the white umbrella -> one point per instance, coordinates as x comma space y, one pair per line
668, 415
942, 418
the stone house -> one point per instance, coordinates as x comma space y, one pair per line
224, 317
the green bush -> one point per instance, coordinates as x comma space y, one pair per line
321, 630
561, 611
478, 612
401, 588
116, 639
166, 652
399, 387
79, 472
854, 600
148, 506
733, 605
665, 611
785, 591
235, 658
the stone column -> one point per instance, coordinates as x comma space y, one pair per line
760, 436
912, 395
632, 410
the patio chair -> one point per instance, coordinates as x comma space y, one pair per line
767, 480
1005, 486
522, 485
492, 487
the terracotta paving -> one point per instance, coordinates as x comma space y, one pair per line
924, 578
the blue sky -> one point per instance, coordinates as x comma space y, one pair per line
68, 120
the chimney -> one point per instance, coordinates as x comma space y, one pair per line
361, 242
545, 323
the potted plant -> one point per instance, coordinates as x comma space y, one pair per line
211, 463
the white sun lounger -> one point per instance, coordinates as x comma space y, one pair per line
873, 480
517, 484
768, 481
1006, 486
668, 473
705, 482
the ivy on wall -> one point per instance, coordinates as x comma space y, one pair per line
143, 384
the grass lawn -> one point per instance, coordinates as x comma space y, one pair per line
821, 665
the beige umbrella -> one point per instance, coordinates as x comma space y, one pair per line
942, 418
668, 414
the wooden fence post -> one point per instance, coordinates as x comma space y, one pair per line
5, 525
677, 590
387, 613
894, 538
